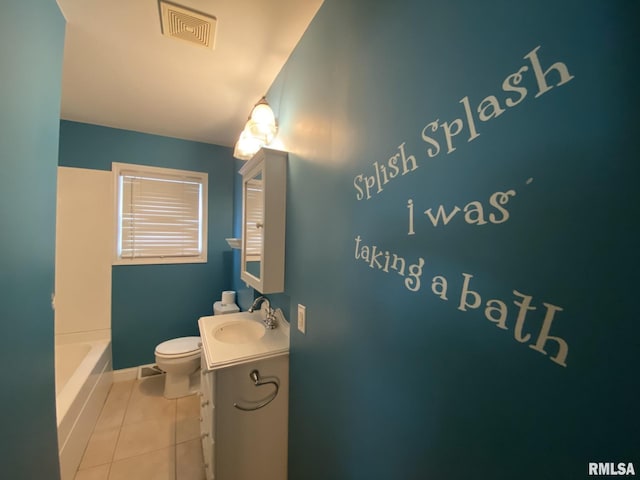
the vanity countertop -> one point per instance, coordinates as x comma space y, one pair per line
220, 354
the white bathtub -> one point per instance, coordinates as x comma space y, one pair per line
83, 379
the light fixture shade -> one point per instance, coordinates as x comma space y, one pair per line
263, 132
262, 113
246, 146
262, 122
260, 130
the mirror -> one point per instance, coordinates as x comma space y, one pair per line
253, 238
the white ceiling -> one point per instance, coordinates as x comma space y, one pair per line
120, 71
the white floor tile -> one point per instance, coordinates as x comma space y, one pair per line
140, 435
94, 473
156, 465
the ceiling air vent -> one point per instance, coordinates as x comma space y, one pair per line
188, 25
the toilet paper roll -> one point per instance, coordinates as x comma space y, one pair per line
228, 297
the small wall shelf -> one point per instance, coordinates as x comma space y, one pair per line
234, 242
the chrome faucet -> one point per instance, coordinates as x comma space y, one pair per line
257, 302
270, 321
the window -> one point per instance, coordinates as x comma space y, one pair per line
161, 215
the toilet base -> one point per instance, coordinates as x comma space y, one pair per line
177, 386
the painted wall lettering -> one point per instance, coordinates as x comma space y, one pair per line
492, 211
491, 107
387, 262
534, 332
398, 164
442, 136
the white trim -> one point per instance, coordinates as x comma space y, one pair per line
125, 374
119, 170
132, 373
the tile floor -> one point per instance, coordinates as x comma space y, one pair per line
140, 435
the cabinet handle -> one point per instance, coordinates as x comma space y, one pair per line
205, 403
255, 376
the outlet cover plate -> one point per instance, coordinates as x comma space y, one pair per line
302, 318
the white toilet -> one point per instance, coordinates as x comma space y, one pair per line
179, 358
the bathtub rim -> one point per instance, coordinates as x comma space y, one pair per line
79, 415
77, 381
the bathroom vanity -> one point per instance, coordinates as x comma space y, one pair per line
244, 397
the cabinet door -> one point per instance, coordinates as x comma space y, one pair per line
264, 203
207, 415
208, 454
206, 403
252, 445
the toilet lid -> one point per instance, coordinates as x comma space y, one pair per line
179, 346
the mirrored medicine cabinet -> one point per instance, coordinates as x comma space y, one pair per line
264, 180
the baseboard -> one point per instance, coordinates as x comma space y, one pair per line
125, 374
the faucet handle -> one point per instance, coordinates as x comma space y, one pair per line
271, 321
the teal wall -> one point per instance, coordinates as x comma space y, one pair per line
153, 303
407, 380
31, 45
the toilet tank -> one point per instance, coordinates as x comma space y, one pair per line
220, 308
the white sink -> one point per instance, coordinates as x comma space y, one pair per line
242, 337
239, 331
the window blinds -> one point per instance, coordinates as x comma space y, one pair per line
160, 215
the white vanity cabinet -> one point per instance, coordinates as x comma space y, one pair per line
264, 181
207, 415
244, 425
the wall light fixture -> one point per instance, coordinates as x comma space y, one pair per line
260, 130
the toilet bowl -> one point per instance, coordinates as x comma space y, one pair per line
179, 358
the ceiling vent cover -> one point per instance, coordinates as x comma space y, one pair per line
188, 25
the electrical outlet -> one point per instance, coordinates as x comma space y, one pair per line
302, 318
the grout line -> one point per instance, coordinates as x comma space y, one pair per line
175, 441
121, 425
126, 408
175, 461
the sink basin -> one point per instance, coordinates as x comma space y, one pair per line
238, 338
239, 331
